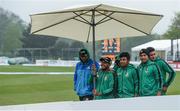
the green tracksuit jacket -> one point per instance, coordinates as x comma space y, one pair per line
115, 67
104, 84
165, 68
127, 81
150, 79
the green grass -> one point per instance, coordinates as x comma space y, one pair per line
19, 68
174, 88
22, 89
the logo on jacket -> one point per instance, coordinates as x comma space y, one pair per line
105, 78
146, 70
118, 74
127, 74
88, 67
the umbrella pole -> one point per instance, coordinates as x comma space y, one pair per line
94, 50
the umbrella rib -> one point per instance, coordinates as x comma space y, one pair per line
89, 29
87, 22
81, 21
88, 34
101, 21
57, 23
124, 23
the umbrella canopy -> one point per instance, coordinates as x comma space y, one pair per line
108, 21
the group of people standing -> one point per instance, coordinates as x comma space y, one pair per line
152, 77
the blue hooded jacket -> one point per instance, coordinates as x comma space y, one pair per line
83, 84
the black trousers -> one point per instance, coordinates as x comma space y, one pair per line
86, 98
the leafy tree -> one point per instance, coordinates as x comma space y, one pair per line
13, 34
174, 29
3, 21
11, 27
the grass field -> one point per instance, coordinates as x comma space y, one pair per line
19, 68
23, 89
174, 89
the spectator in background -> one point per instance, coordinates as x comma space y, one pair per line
150, 78
164, 68
83, 84
127, 77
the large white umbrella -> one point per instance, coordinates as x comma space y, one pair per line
96, 22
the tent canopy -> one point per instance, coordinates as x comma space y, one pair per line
157, 44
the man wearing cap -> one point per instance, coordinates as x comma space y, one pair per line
83, 84
164, 67
105, 80
127, 77
150, 79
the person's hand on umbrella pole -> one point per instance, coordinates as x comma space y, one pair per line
96, 93
94, 69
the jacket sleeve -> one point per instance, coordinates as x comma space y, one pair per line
136, 81
97, 65
158, 76
75, 78
171, 73
110, 86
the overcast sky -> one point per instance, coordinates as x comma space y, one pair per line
24, 8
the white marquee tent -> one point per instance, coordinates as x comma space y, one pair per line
163, 48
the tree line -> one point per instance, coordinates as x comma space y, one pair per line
15, 34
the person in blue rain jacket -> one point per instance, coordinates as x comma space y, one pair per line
83, 83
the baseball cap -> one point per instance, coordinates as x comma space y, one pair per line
143, 51
83, 52
106, 60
